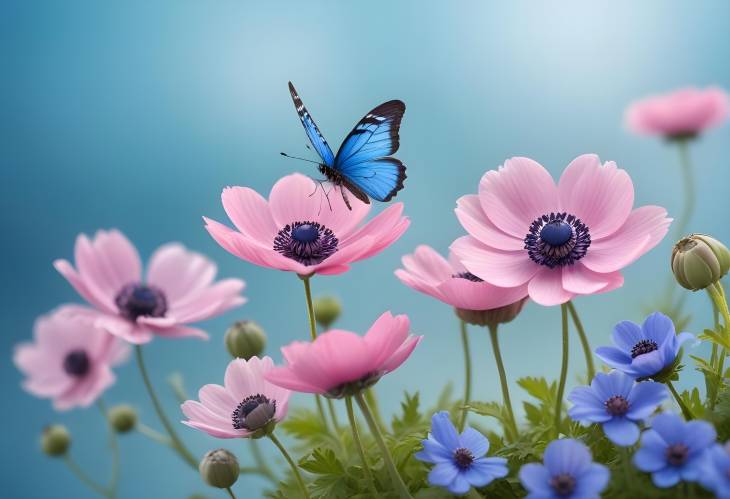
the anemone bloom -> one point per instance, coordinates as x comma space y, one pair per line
448, 281
339, 363
298, 231
560, 240
178, 288
679, 114
460, 459
618, 403
245, 404
643, 351
717, 477
70, 359
674, 450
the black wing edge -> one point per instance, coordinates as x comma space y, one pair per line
401, 178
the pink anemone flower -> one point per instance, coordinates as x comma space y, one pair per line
561, 240
70, 359
680, 114
339, 363
428, 272
178, 288
245, 404
299, 231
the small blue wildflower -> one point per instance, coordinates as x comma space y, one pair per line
674, 450
568, 472
646, 350
617, 402
459, 459
717, 466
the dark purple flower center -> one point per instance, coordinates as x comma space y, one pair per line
141, 300
463, 458
677, 454
617, 405
563, 484
557, 239
642, 347
468, 276
308, 243
253, 412
76, 363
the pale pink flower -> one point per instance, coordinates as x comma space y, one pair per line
339, 362
177, 290
70, 359
561, 240
299, 230
246, 403
682, 113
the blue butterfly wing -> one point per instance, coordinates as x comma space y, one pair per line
362, 159
315, 136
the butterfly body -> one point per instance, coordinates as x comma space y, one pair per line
362, 165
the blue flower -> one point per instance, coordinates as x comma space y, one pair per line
646, 350
568, 472
674, 450
459, 459
617, 402
717, 466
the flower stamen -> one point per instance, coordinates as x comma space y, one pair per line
557, 239
308, 243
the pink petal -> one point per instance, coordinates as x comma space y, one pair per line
385, 336
341, 356
179, 272
217, 399
427, 265
400, 355
582, 281
386, 228
85, 391
239, 380
197, 412
181, 331
124, 329
250, 213
207, 302
293, 199
91, 294
643, 230
546, 288
285, 377
515, 195
467, 295
601, 196
216, 431
107, 263
501, 268
472, 217
419, 285
345, 254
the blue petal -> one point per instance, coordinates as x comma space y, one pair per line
626, 334
443, 474
567, 456
645, 398
585, 395
592, 482
620, 383
589, 414
602, 386
459, 486
613, 357
649, 364
698, 436
667, 477
669, 426
535, 478
683, 337
657, 327
433, 452
621, 431
650, 458
443, 431
474, 441
481, 473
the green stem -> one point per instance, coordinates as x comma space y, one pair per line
563, 371
153, 434
292, 464
467, 374
230, 493
86, 479
176, 443
503, 379
717, 293
333, 416
360, 448
583, 341
372, 401
685, 410
395, 477
260, 461
114, 444
688, 182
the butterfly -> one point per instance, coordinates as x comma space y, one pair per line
362, 165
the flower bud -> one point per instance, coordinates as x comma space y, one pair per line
55, 440
326, 310
123, 418
245, 339
699, 261
500, 315
219, 468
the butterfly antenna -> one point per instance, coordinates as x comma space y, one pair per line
297, 157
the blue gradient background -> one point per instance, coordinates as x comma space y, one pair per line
135, 114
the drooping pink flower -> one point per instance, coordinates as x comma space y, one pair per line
339, 362
682, 113
245, 404
177, 290
70, 359
561, 240
299, 231
449, 281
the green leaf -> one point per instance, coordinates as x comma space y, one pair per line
303, 424
409, 417
539, 389
322, 461
693, 401
717, 337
